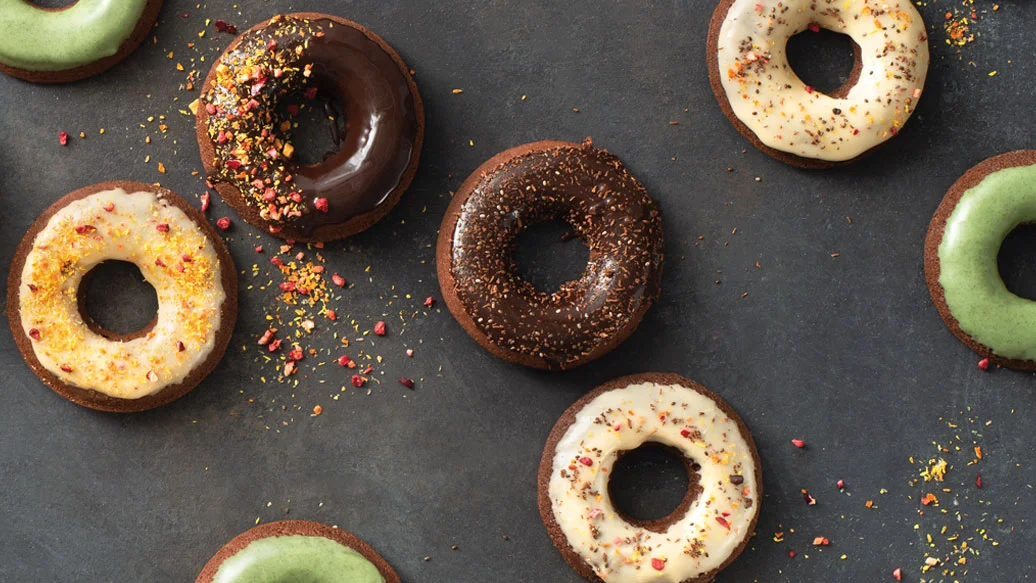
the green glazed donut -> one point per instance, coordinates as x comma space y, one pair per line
964, 239
56, 45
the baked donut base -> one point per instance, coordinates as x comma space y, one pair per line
448, 285
557, 536
322, 233
296, 527
94, 399
715, 80
143, 28
936, 230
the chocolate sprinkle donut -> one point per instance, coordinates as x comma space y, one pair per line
606, 207
245, 136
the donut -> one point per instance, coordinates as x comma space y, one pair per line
706, 532
296, 551
606, 207
767, 102
177, 252
60, 45
964, 238
246, 144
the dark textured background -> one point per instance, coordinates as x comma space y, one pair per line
847, 353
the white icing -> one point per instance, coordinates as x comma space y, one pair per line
769, 98
623, 419
189, 288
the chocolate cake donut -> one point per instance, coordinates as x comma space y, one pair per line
294, 551
177, 252
706, 532
961, 249
767, 102
59, 45
606, 207
245, 138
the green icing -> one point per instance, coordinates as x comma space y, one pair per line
297, 559
38, 40
969, 275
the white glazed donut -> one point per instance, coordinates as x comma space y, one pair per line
751, 74
703, 536
178, 254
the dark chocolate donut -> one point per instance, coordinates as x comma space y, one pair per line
710, 527
245, 142
177, 251
607, 208
960, 256
775, 110
61, 45
297, 550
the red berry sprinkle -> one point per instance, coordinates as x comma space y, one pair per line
978, 481
344, 360
66, 368
223, 223
809, 89
332, 315
586, 461
163, 227
408, 383
295, 353
814, 27
798, 443
63, 138
840, 484
357, 380
723, 522
338, 280
321, 204
180, 346
85, 229
429, 302
379, 328
34, 334
791, 554
685, 432
657, 564
205, 201
223, 26
897, 574
984, 364
310, 93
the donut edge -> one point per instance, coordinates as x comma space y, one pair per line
296, 527
323, 233
94, 399
933, 239
715, 80
568, 418
448, 285
136, 38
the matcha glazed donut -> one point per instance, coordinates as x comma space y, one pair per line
297, 550
60, 45
964, 238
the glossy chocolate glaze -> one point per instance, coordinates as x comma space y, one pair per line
291, 56
606, 207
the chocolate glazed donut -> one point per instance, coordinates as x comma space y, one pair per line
244, 137
607, 208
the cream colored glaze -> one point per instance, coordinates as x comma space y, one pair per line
785, 114
623, 419
188, 285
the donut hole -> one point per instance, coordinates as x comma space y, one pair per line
1015, 263
116, 301
53, 4
823, 60
653, 484
547, 257
318, 125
